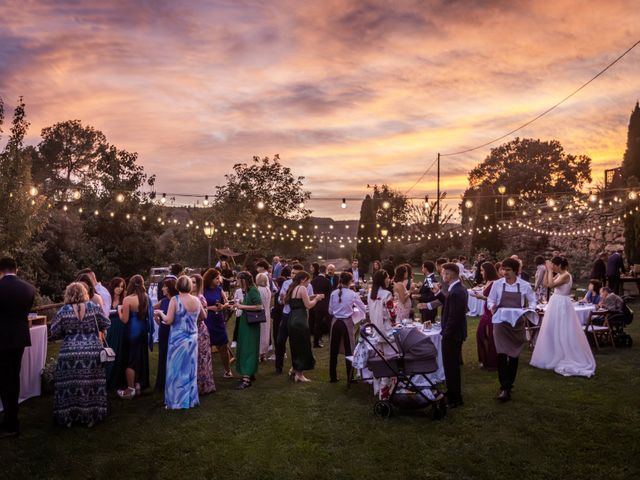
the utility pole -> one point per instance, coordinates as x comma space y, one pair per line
438, 195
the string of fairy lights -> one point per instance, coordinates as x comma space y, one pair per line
532, 219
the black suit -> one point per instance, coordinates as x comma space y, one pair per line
333, 281
454, 332
615, 265
319, 315
599, 271
16, 301
427, 296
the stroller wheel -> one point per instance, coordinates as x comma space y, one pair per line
382, 409
439, 410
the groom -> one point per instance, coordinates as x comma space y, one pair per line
454, 330
509, 292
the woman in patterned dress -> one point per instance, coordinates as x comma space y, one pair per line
205, 368
81, 384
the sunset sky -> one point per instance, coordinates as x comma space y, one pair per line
348, 93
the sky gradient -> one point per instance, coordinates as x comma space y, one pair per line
348, 93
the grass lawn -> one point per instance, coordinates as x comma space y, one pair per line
555, 427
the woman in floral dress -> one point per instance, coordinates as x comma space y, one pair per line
80, 379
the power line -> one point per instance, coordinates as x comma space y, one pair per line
550, 109
422, 176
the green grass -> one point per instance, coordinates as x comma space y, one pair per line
555, 427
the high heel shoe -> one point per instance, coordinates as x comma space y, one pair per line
127, 393
301, 379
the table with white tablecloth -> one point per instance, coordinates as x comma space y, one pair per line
583, 311
33, 361
476, 306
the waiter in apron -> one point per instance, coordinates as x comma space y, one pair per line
509, 292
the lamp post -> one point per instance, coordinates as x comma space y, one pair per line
208, 232
502, 190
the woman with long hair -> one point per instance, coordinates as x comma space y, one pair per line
487, 355
169, 291
262, 282
80, 382
376, 266
341, 303
297, 297
216, 299
401, 294
90, 283
136, 313
562, 345
206, 383
248, 333
116, 335
181, 388
381, 310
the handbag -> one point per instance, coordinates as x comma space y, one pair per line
107, 354
256, 316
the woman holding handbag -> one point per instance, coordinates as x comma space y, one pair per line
81, 383
248, 349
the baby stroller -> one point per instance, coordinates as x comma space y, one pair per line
412, 355
617, 322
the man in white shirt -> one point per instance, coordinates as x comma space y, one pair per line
100, 290
509, 293
283, 331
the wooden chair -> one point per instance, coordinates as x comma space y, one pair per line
599, 333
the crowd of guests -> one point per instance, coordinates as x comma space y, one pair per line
272, 303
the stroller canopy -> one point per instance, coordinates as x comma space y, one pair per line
412, 342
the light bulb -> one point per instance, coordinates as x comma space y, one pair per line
344, 203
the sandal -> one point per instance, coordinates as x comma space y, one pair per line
127, 393
228, 374
244, 384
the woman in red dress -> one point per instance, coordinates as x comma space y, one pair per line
487, 355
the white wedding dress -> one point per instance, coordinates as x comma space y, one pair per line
562, 345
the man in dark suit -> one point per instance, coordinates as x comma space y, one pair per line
332, 277
615, 266
320, 313
356, 272
426, 294
454, 330
599, 269
16, 299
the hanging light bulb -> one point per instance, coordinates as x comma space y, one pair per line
593, 198
120, 198
76, 195
64, 207
468, 204
260, 205
163, 200
344, 203
33, 191
551, 202
205, 202
426, 201
511, 202
301, 205
96, 213
386, 205
633, 195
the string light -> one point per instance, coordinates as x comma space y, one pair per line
386, 205
260, 205
163, 200
511, 202
468, 204
120, 198
205, 202
344, 203
76, 194
33, 191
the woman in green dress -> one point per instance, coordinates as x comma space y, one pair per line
248, 347
298, 299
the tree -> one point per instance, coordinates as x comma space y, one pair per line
391, 209
68, 155
368, 249
631, 160
631, 173
19, 205
422, 218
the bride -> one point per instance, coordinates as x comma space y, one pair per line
562, 345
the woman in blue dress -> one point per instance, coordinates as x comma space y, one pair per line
81, 386
181, 388
215, 321
136, 313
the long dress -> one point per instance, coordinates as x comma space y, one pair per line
265, 327
163, 345
80, 380
487, 354
403, 310
562, 345
137, 347
205, 366
247, 351
215, 320
116, 339
181, 388
300, 336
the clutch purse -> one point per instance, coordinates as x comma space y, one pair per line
257, 316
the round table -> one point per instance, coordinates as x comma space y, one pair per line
476, 306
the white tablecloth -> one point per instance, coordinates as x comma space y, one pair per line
33, 361
583, 311
512, 315
476, 306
